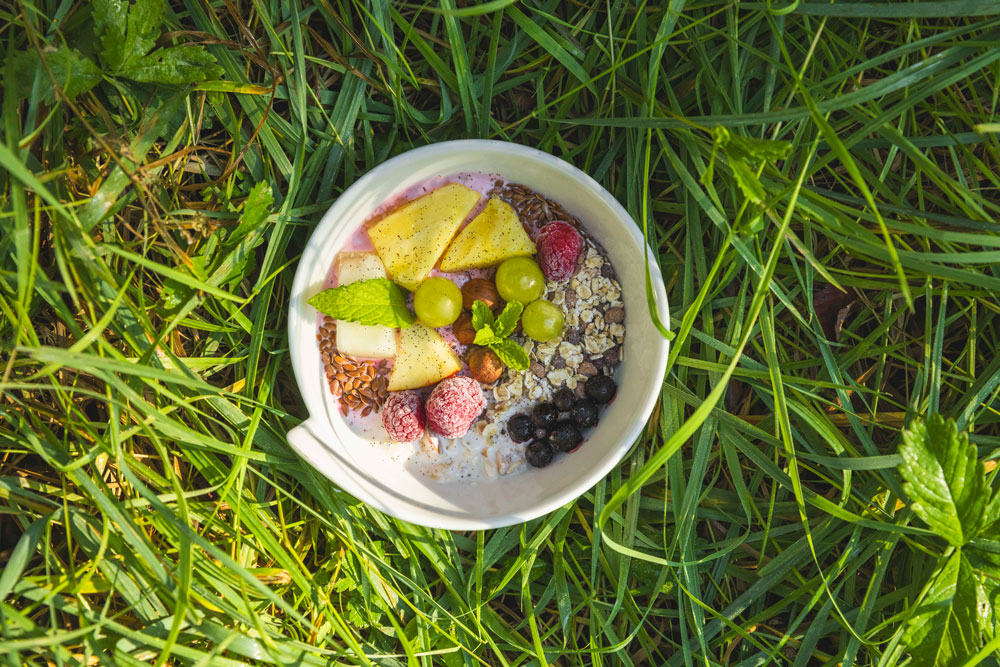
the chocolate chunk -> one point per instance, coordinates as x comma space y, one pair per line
537, 369
607, 271
616, 314
570, 298
558, 362
611, 356
572, 336
588, 369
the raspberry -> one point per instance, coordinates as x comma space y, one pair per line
559, 246
454, 405
403, 416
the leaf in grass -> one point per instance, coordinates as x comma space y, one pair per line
482, 316
747, 181
944, 479
944, 630
72, 72
127, 30
371, 302
512, 354
507, 321
256, 208
832, 306
175, 65
744, 154
755, 150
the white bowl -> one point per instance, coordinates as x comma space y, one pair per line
365, 470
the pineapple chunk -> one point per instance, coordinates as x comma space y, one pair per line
411, 240
359, 340
493, 236
422, 358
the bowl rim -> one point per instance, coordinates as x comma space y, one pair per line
313, 429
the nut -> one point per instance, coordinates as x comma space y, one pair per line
480, 289
462, 329
484, 365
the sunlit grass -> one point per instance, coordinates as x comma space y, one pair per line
151, 509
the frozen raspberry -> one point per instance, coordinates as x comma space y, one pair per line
559, 246
454, 405
403, 416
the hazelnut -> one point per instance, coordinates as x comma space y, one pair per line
462, 329
479, 289
484, 365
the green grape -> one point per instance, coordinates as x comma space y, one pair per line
520, 279
542, 320
437, 302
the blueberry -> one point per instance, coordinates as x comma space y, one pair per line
520, 428
584, 413
539, 453
600, 388
545, 415
564, 399
565, 436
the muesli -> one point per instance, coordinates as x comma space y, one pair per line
472, 326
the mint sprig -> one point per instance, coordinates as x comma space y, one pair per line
372, 302
493, 332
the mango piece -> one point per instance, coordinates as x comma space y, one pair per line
423, 358
412, 239
494, 235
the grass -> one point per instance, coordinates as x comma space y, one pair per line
152, 512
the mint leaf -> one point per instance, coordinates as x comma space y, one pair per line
507, 321
493, 332
371, 302
511, 354
175, 65
945, 481
482, 316
944, 631
485, 336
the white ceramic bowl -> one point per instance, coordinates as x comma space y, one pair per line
364, 470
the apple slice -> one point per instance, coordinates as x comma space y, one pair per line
359, 340
411, 240
423, 357
494, 235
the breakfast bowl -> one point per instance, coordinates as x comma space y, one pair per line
374, 472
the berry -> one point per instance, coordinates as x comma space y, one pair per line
584, 413
539, 453
520, 279
403, 416
545, 415
454, 405
565, 436
564, 399
437, 302
600, 388
520, 428
559, 247
542, 320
